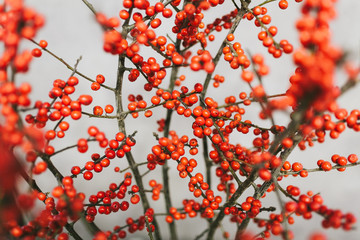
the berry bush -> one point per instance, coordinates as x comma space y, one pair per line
170, 122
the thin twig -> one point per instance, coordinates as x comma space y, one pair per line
149, 228
283, 173
70, 67
285, 232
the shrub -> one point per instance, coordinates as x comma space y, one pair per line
188, 124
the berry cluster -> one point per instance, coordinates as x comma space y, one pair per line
228, 160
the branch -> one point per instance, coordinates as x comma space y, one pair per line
69, 67
319, 169
129, 156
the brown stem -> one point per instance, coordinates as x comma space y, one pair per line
165, 167
275, 173
219, 53
239, 191
70, 67
319, 169
129, 156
